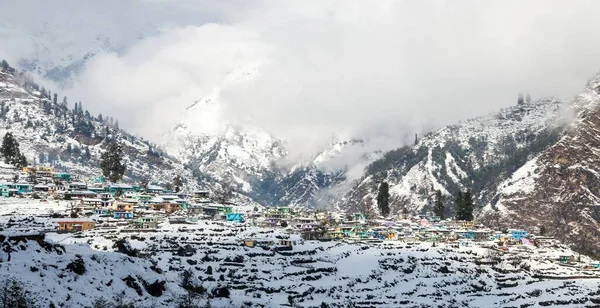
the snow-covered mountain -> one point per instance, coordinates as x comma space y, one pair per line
56, 51
558, 191
71, 139
477, 154
251, 160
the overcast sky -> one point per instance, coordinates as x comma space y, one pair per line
321, 68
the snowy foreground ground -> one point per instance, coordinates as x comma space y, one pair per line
391, 274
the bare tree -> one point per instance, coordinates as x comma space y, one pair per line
224, 193
145, 181
73, 209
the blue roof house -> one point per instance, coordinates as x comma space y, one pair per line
518, 234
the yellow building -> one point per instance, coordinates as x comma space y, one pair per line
40, 171
123, 207
76, 225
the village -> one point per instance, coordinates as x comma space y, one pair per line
96, 204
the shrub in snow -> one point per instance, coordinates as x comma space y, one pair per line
15, 295
124, 247
221, 292
77, 266
132, 283
155, 289
189, 283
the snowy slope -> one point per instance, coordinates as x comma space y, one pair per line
559, 190
57, 49
392, 274
248, 158
477, 154
48, 134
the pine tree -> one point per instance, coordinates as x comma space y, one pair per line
459, 206
520, 99
11, 152
528, 98
5, 66
383, 199
468, 206
145, 181
438, 208
55, 98
112, 164
177, 183
8, 147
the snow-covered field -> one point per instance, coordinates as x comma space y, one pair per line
388, 274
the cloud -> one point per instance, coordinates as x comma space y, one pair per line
378, 70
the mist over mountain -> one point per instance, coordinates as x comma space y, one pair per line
251, 93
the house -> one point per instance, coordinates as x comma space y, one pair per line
465, 234
93, 202
358, 217
236, 217
433, 218
119, 189
465, 224
183, 204
123, 207
77, 186
517, 234
154, 189
146, 222
99, 179
97, 189
278, 213
102, 212
544, 241
78, 194
566, 259
195, 210
40, 171
63, 176
143, 198
214, 209
122, 215
4, 190
336, 233
283, 245
201, 194
249, 243
22, 188
482, 235
78, 224
41, 188
104, 196
168, 207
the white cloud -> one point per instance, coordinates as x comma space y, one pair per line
345, 68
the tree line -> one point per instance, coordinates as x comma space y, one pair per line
463, 204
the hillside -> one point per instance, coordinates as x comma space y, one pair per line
71, 139
558, 191
145, 269
477, 154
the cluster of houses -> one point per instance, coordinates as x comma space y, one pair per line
96, 202
141, 207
